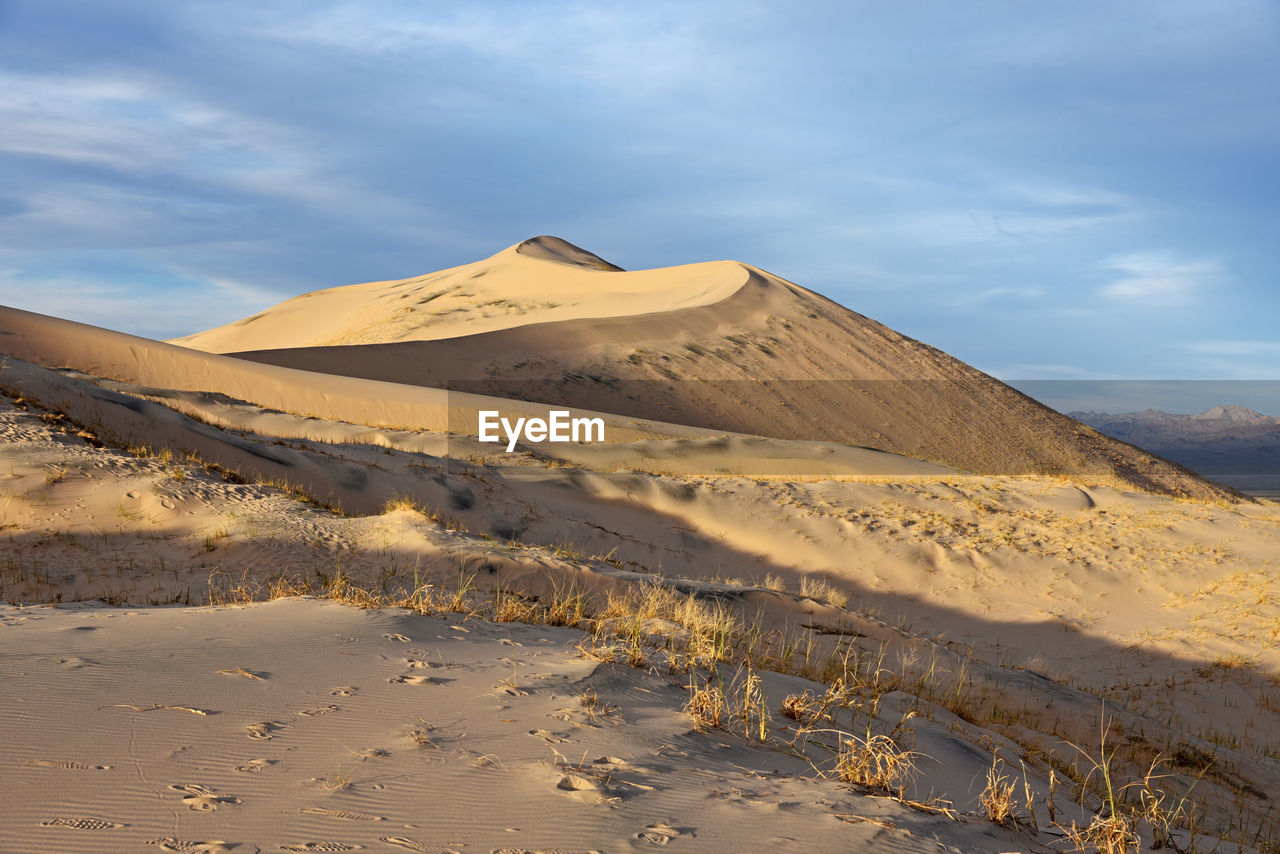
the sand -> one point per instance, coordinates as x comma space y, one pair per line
301, 725
982, 612
753, 354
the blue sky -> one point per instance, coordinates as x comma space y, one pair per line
1052, 191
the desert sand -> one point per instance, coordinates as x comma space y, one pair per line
275, 602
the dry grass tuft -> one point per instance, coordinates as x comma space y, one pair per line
420, 732
804, 707
877, 761
820, 590
1114, 834
707, 706
996, 799
1114, 829
337, 781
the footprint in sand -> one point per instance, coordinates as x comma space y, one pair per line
263, 729
321, 846
611, 762
418, 680
212, 846
319, 710
398, 638
343, 691
240, 671
586, 789
65, 765
82, 823
341, 815
202, 798
414, 845
661, 834
252, 766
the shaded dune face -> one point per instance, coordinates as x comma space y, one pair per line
721, 346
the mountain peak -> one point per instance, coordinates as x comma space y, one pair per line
1234, 414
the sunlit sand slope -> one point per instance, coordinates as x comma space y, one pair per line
722, 346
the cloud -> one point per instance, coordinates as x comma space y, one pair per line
177, 307
133, 123
1065, 196
288, 146
1159, 278
629, 51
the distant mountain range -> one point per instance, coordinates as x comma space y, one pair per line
1221, 440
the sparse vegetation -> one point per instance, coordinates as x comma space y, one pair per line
877, 761
996, 798
337, 781
821, 590
720, 652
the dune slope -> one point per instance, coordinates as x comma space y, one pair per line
722, 346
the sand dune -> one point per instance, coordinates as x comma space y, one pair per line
1018, 592
972, 618
538, 281
748, 352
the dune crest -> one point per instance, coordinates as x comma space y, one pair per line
540, 280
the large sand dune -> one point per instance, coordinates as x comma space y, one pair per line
1028, 599
961, 615
722, 345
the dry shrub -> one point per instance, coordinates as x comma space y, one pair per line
569, 607
1111, 831
820, 590
706, 706
404, 502
707, 632
1114, 834
996, 799
509, 607
877, 761
800, 707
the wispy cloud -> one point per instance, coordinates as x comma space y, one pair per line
133, 123
606, 47
181, 307
288, 146
1159, 278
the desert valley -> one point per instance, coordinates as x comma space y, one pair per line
820, 587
